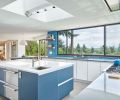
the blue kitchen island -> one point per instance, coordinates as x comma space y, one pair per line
52, 83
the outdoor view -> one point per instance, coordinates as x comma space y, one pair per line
113, 40
90, 41
32, 48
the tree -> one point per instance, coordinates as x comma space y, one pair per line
69, 34
84, 48
119, 48
78, 49
32, 48
112, 48
92, 50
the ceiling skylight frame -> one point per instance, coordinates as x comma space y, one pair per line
110, 6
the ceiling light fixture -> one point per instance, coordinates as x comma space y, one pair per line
37, 12
54, 7
113, 5
45, 9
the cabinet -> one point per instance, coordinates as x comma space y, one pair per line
65, 82
82, 70
93, 70
74, 67
1, 82
11, 84
50, 86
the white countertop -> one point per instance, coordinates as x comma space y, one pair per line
26, 65
101, 89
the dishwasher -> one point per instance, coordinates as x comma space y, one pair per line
11, 84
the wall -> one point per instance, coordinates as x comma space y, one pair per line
52, 52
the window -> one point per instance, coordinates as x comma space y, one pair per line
89, 41
113, 40
31, 49
35, 48
113, 5
64, 42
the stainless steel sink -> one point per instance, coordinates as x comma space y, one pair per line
41, 68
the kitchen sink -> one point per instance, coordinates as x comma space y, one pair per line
41, 68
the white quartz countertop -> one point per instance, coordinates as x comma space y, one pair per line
26, 65
103, 88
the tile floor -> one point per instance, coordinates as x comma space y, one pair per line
78, 87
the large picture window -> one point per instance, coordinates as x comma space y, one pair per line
89, 41
113, 40
100, 40
81, 41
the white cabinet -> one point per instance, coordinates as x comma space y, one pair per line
75, 67
105, 65
82, 70
93, 70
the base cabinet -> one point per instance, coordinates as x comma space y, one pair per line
51, 86
1, 82
74, 67
65, 89
93, 70
82, 70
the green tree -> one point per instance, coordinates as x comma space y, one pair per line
32, 48
69, 34
112, 48
78, 49
119, 47
92, 50
84, 48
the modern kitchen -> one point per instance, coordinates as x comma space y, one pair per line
59, 50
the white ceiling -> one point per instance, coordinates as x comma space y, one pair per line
85, 12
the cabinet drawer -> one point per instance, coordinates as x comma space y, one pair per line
1, 89
65, 89
1, 74
11, 77
11, 92
65, 74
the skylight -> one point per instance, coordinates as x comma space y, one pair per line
113, 5
44, 12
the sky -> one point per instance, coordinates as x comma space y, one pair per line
94, 37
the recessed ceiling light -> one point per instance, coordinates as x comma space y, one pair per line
113, 5
54, 7
45, 9
37, 12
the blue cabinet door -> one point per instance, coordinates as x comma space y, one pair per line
65, 89
48, 86
28, 86
1, 84
65, 74
65, 82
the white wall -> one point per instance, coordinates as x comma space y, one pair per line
25, 36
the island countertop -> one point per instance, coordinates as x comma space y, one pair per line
103, 88
26, 65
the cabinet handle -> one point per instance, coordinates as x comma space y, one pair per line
11, 71
20, 75
6, 86
2, 82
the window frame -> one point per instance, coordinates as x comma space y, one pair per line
104, 41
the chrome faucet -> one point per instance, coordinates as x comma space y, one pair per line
33, 62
